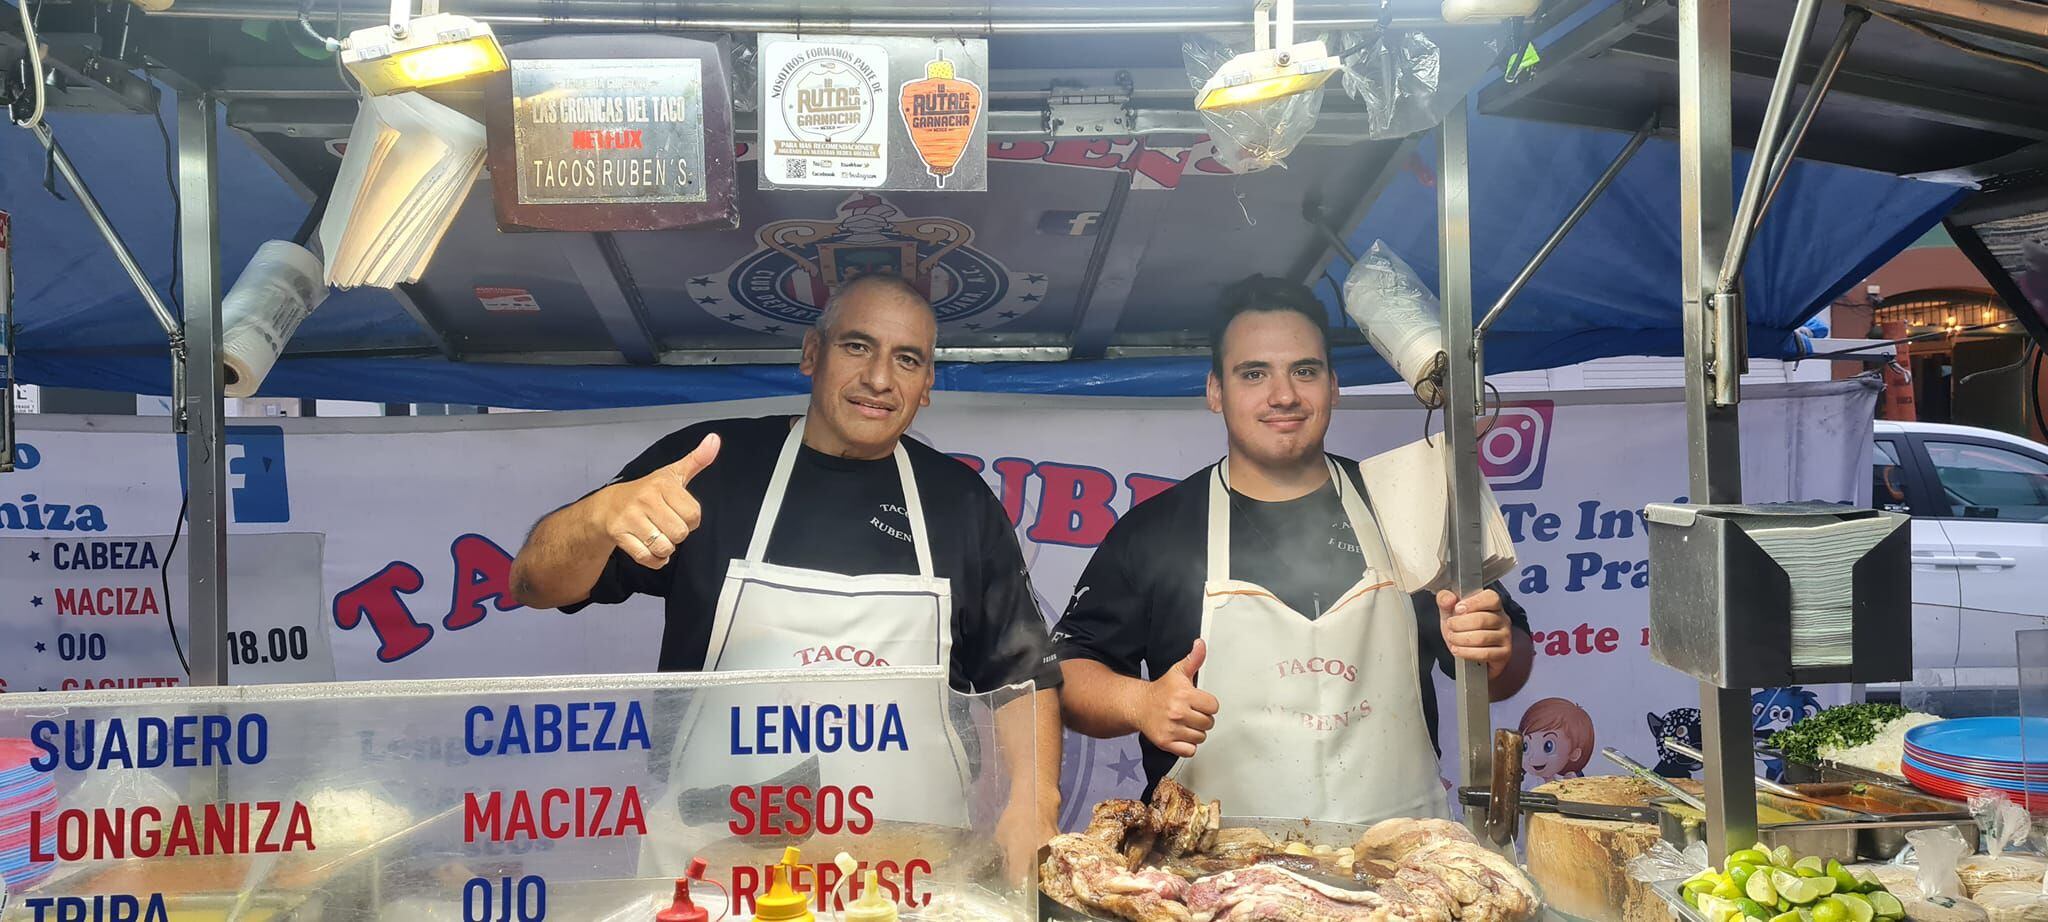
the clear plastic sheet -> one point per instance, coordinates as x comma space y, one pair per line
2005, 825
1255, 137
1939, 851
745, 76
1397, 75
1665, 862
1399, 315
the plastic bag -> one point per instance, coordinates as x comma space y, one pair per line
1664, 862
1254, 137
2004, 824
1939, 851
1400, 317
745, 76
1397, 75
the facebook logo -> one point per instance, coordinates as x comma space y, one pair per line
1069, 223
257, 490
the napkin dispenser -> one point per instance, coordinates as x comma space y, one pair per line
1728, 582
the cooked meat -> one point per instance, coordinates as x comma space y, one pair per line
1186, 825
1392, 840
1489, 887
1128, 827
1266, 893
1087, 875
1194, 867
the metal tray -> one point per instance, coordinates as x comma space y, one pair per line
1882, 842
1824, 831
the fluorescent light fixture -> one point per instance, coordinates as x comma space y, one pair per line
414, 54
1275, 68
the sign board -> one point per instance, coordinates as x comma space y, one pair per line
600, 133
880, 112
511, 799
28, 398
91, 612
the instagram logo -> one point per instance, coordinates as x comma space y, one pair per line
1512, 453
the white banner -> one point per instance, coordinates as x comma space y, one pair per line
422, 515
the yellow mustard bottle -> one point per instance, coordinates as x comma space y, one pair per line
783, 902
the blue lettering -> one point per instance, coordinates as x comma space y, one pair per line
635, 734
115, 752
551, 728
739, 746
39, 733
471, 739
1584, 565
150, 737
576, 727
547, 727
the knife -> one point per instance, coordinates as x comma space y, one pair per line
1548, 803
1503, 805
703, 806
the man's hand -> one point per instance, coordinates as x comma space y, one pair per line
1176, 715
1477, 629
648, 518
1023, 828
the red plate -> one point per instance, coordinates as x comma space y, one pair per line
1942, 787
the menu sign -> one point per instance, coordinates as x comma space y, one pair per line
603, 133
883, 112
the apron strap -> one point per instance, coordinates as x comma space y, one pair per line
1219, 517
778, 488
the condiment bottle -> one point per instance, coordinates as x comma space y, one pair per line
684, 909
782, 902
872, 905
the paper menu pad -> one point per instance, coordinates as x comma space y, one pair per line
409, 167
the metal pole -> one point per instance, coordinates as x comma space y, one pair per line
1705, 173
164, 317
1853, 19
1468, 549
1767, 142
1628, 151
206, 445
6, 343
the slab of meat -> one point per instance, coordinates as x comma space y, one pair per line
1186, 825
1084, 874
1392, 840
1128, 827
1266, 893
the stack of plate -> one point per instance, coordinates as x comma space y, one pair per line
25, 793
1958, 759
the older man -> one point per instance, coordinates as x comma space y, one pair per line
827, 541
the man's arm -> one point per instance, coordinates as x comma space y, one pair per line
1028, 730
647, 518
1482, 630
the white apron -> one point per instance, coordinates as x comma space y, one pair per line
1320, 719
777, 617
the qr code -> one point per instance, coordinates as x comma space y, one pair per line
796, 169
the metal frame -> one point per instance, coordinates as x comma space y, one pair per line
206, 555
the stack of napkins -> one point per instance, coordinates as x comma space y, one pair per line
1410, 489
409, 166
1819, 554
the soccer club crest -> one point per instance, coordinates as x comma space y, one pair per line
781, 286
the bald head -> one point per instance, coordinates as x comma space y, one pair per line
876, 289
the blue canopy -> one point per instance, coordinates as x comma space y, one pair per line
1611, 288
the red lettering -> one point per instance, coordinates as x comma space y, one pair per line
378, 600
1073, 505
1014, 473
910, 872
746, 880
1608, 640
743, 821
1093, 154
1159, 166
1582, 638
483, 573
548, 800
480, 817
1017, 150
1146, 486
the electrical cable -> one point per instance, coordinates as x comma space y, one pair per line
164, 571
1959, 44
306, 22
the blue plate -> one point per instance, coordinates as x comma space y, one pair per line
2038, 788
1982, 739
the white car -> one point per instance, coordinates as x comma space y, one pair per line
1979, 502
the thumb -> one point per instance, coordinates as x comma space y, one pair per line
697, 460
1192, 663
1446, 603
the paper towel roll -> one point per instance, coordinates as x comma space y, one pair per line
280, 286
1400, 318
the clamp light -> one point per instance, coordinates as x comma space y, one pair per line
410, 54
1276, 67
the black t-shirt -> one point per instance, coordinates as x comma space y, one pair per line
842, 516
1139, 602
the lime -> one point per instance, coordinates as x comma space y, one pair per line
1759, 889
1809, 872
1810, 862
1705, 879
1886, 905
1740, 873
1845, 882
1782, 856
1725, 889
1749, 856
1859, 906
1786, 917
1802, 890
1830, 910
1752, 909
1717, 909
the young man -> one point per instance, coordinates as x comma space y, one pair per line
1289, 675
826, 541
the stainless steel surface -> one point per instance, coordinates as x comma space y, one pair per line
143, 286
1853, 19
594, 258
1521, 280
1730, 359
1762, 783
206, 550
846, 17
1636, 768
1886, 838
1454, 287
1122, 238
1714, 459
1823, 832
1767, 142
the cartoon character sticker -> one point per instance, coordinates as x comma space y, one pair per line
1557, 739
1683, 725
1774, 709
